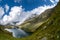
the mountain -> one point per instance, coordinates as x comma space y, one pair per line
49, 30
32, 24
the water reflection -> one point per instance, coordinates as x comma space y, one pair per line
18, 33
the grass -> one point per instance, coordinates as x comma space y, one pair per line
51, 32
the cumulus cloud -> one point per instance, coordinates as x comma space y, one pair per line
53, 1
1, 12
6, 7
17, 15
13, 15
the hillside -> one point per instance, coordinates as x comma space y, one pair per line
33, 23
49, 30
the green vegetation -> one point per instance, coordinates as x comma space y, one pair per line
32, 24
50, 30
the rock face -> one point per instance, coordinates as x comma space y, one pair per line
32, 24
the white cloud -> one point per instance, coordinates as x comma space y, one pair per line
53, 1
13, 15
6, 7
17, 14
1, 12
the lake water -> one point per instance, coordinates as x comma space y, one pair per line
18, 33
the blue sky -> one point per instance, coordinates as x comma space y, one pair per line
27, 4
20, 10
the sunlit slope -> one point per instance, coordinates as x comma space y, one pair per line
32, 24
50, 30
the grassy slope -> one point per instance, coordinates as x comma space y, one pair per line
51, 32
32, 24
